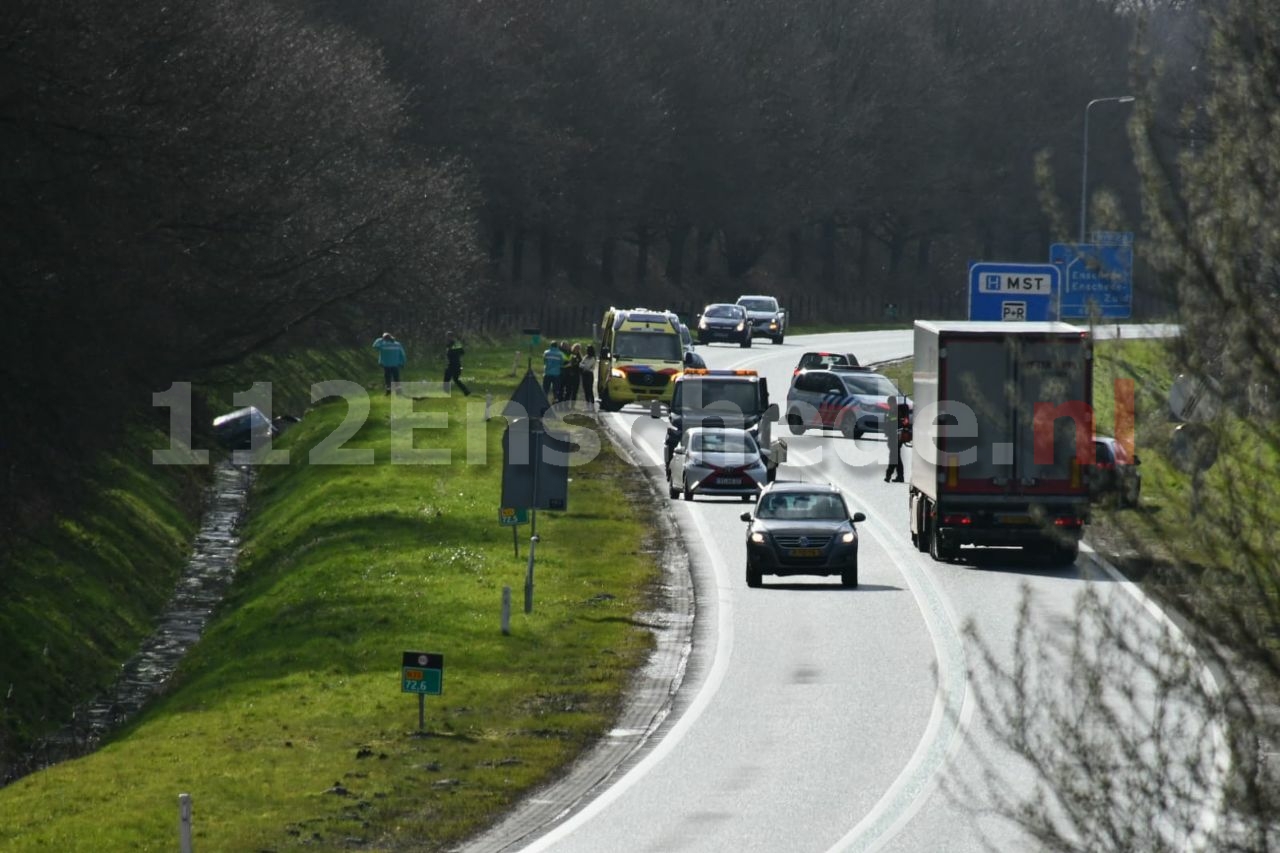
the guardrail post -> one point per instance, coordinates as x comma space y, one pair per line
184, 823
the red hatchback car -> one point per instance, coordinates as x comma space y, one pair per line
1114, 472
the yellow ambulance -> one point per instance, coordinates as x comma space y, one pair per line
641, 354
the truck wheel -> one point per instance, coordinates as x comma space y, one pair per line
922, 522
754, 578
795, 423
849, 577
1063, 555
937, 549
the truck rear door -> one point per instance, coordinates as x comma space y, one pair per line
975, 372
1054, 413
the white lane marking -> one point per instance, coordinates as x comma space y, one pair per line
949, 719
715, 677
950, 716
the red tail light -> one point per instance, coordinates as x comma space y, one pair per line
1068, 521
961, 518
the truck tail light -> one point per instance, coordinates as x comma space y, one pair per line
1068, 521
961, 518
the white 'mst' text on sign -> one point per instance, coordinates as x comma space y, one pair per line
1003, 282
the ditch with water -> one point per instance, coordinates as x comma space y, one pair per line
204, 581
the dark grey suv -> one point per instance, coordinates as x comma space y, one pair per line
802, 529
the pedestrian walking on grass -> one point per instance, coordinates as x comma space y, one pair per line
589, 377
453, 353
391, 356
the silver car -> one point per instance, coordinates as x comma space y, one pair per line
716, 461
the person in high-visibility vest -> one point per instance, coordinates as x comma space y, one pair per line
391, 356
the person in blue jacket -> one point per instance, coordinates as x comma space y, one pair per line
552, 361
391, 356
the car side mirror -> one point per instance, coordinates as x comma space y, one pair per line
688, 359
746, 516
859, 516
655, 409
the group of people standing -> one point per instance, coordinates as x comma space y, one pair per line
566, 369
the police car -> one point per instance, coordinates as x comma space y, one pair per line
853, 400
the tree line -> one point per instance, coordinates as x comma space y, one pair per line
189, 183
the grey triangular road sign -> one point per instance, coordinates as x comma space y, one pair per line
528, 401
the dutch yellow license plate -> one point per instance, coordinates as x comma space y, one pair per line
805, 552
1015, 519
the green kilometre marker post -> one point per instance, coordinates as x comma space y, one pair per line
422, 673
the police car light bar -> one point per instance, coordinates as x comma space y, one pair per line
703, 371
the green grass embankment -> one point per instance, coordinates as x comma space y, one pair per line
286, 723
79, 595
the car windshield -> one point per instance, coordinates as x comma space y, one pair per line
686, 337
802, 505
759, 304
812, 360
650, 345
731, 398
721, 442
732, 311
869, 384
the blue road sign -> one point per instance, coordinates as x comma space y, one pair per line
1095, 277
1013, 291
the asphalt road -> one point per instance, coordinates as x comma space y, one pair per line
815, 718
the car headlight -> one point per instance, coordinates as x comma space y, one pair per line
739, 327
757, 537
849, 537
617, 374
702, 324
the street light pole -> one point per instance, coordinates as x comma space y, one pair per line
1084, 165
